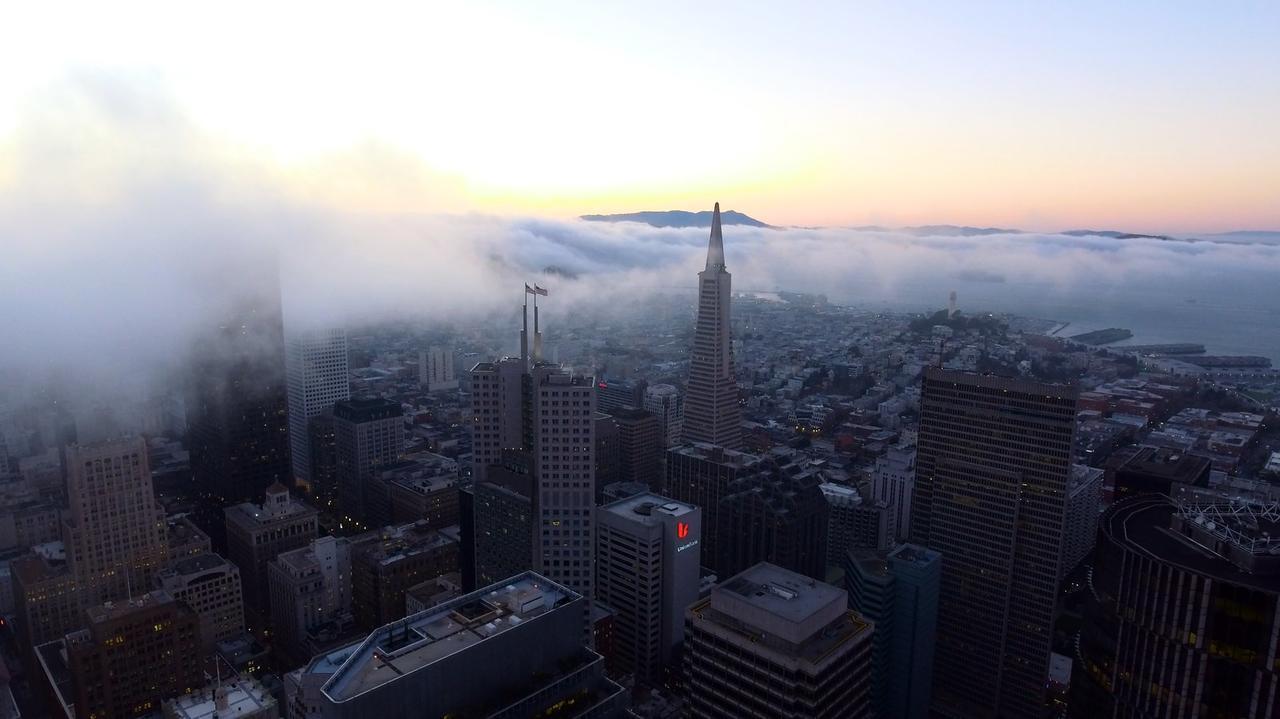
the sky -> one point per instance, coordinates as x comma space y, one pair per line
1141, 116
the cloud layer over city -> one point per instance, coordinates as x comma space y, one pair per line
120, 256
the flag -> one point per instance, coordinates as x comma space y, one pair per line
539, 290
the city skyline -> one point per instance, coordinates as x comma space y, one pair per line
886, 359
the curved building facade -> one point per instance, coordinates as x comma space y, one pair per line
1182, 617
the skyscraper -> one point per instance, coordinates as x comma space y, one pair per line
502, 513
564, 468
257, 534
535, 415
316, 365
237, 411
665, 403
777, 514
648, 561
640, 447
893, 483
700, 474
367, 434
114, 540
1181, 615
133, 655
773, 643
991, 479
117, 531
711, 411
898, 591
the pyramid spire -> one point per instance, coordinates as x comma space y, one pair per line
715, 248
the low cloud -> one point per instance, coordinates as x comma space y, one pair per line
126, 233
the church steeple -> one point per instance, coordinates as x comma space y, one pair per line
715, 248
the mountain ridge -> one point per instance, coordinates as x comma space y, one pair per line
686, 218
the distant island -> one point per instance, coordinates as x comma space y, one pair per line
678, 218
1103, 337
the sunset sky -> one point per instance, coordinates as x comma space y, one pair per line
1159, 116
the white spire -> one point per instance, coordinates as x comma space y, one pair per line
715, 249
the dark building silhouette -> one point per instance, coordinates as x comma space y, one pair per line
503, 522
607, 453
700, 474
1183, 611
992, 470
237, 411
776, 514
640, 447
368, 434
615, 394
1157, 470
324, 460
387, 562
133, 655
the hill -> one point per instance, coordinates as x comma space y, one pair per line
678, 218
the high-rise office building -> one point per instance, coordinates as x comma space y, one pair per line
132, 656
700, 474
498, 413
435, 369
1181, 617
322, 444
615, 394
854, 523
776, 514
512, 649
640, 447
898, 590
210, 585
316, 368
116, 534
893, 483
310, 589
992, 471
114, 540
665, 403
387, 561
258, 533
502, 516
368, 434
564, 469
1080, 527
647, 559
769, 642
608, 453
533, 414
711, 410
237, 410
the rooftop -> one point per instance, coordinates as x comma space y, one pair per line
643, 508
391, 544
195, 564
780, 593
1155, 526
713, 453
794, 619
429, 636
367, 409
243, 696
